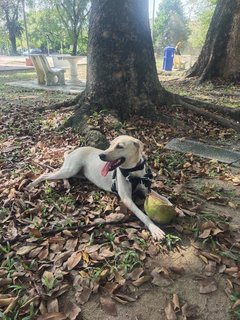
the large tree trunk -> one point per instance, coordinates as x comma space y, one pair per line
220, 55
122, 75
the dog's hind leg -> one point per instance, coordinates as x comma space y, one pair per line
63, 173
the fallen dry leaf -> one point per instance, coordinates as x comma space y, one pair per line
109, 306
6, 301
105, 253
136, 273
210, 268
205, 234
211, 256
231, 270
52, 305
141, 280
43, 254
208, 225
83, 296
11, 305
74, 260
176, 304
71, 310
123, 298
110, 287
236, 304
177, 270
232, 205
53, 316
115, 217
71, 244
25, 249
6, 281
35, 232
169, 312
208, 286
161, 277
189, 311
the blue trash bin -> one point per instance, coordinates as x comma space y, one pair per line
168, 58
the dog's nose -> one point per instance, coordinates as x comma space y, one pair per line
102, 156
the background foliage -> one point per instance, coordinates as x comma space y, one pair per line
51, 27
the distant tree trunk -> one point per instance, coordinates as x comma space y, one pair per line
220, 55
75, 41
122, 75
12, 38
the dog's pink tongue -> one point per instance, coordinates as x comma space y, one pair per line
105, 169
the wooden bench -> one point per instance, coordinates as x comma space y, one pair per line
46, 74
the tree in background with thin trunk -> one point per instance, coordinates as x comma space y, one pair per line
73, 14
9, 13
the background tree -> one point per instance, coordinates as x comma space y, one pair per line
9, 10
44, 28
170, 25
220, 56
4, 41
199, 15
73, 14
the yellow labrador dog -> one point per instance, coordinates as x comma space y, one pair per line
121, 169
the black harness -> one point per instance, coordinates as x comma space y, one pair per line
146, 180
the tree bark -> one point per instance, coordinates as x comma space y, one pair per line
122, 75
12, 39
75, 41
220, 56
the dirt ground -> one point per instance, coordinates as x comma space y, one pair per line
194, 274
153, 300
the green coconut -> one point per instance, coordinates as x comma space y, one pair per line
159, 208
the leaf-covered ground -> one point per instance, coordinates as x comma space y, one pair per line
55, 265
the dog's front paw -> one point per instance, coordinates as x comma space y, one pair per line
156, 232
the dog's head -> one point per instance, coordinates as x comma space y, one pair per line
124, 152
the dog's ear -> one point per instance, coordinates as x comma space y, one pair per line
138, 144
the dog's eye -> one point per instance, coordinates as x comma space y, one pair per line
119, 146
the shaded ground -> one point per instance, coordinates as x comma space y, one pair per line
218, 93
119, 269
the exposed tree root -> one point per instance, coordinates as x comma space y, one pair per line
210, 116
233, 113
65, 104
80, 119
85, 107
199, 108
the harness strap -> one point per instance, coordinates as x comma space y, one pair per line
114, 182
140, 165
146, 180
